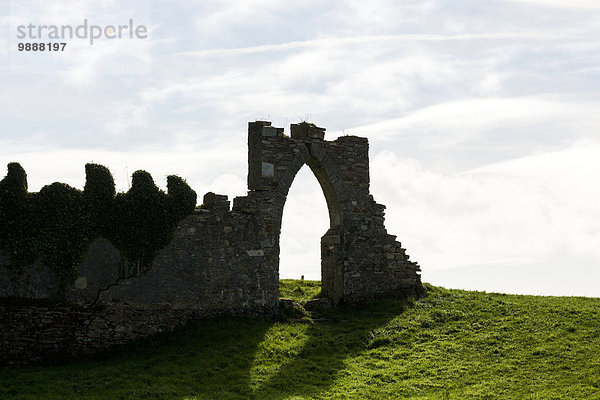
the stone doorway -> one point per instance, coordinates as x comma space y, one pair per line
359, 259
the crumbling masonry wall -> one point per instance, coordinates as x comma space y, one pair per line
360, 260
219, 261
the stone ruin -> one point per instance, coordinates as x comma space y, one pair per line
221, 260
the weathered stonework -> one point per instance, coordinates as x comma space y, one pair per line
220, 260
359, 259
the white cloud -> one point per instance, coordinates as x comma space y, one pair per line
563, 276
228, 184
201, 167
335, 42
523, 211
585, 4
470, 117
462, 134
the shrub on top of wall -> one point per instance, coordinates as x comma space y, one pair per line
98, 198
57, 224
14, 184
181, 197
13, 195
140, 221
144, 218
61, 235
16, 234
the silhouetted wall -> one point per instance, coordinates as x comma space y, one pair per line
220, 260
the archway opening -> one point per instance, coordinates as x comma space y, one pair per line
305, 220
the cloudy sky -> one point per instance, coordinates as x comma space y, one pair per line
482, 117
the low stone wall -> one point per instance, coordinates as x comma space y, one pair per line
36, 333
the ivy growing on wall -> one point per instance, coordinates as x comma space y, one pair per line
57, 224
17, 234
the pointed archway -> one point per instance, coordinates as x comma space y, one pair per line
323, 263
305, 219
331, 255
359, 259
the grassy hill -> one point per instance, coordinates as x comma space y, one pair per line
451, 344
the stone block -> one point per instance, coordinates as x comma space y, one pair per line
270, 131
268, 170
214, 201
81, 282
304, 131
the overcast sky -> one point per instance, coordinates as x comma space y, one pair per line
482, 116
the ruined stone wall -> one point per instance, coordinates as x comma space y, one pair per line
51, 332
220, 260
212, 266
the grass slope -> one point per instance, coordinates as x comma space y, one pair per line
451, 344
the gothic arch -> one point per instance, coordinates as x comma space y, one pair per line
325, 175
359, 259
329, 182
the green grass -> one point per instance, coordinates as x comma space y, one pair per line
451, 344
300, 291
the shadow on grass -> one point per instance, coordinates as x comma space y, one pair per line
206, 359
324, 354
212, 359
